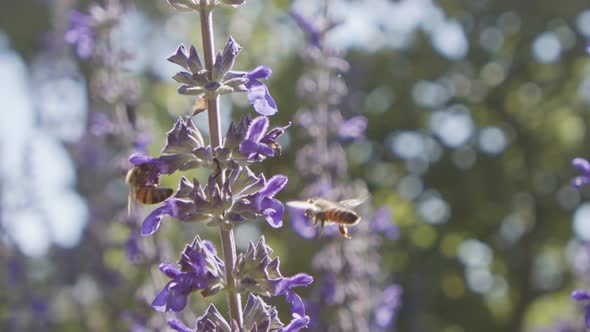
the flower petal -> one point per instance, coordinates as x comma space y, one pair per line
177, 325
274, 185
260, 72
353, 128
159, 303
259, 97
581, 164
252, 148
300, 320
170, 270
153, 220
579, 181
272, 210
580, 295
284, 286
257, 129
179, 57
177, 298
312, 31
301, 224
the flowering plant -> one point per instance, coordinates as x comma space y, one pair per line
233, 193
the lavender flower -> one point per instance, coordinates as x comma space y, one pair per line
80, 34
583, 166
583, 297
255, 272
200, 269
381, 223
345, 270
311, 30
212, 320
258, 94
233, 194
241, 197
258, 143
197, 80
83, 28
387, 308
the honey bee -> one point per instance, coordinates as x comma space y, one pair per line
140, 188
323, 211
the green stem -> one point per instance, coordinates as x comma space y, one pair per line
228, 246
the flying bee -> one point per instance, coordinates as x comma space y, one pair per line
322, 211
142, 189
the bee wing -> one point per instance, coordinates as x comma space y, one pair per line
302, 205
351, 203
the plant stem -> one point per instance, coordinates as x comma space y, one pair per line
228, 246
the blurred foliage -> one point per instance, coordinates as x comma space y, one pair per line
539, 107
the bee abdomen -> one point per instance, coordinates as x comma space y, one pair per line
152, 195
342, 216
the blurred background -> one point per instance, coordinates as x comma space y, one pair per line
475, 110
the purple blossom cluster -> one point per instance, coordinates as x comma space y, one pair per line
90, 33
112, 129
347, 293
233, 193
102, 153
581, 260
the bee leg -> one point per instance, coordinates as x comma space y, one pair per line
344, 232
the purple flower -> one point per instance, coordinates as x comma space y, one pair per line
258, 273
211, 321
584, 297
200, 269
259, 316
226, 59
264, 202
166, 164
258, 143
301, 224
132, 250
195, 80
100, 124
82, 29
258, 94
299, 319
80, 34
241, 197
177, 325
584, 166
191, 203
184, 137
312, 32
152, 222
141, 142
352, 129
382, 223
388, 306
